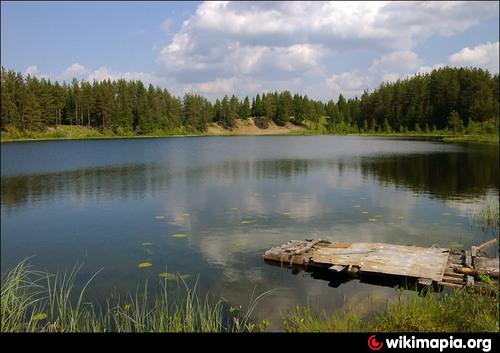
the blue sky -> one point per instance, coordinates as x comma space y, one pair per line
217, 48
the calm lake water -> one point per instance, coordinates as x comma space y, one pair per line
101, 202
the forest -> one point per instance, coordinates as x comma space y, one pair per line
453, 99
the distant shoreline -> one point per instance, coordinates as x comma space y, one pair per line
215, 130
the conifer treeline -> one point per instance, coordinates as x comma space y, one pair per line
445, 98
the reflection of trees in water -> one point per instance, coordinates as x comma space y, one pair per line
135, 181
440, 174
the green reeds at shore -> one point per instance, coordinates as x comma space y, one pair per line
34, 301
461, 311
489, 215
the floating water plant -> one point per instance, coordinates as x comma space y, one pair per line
179, 235
372, 219
160, 217
147, 244
167, 276
364, 212
357, 206
145, 264
38, 317
173, 277
233, 209
446, 214
246, 221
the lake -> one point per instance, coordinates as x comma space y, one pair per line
210, 206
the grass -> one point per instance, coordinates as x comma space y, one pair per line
489, 215
34, 301
461, 311
67, 132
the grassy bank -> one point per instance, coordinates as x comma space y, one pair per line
462, 311
34, 301
68, 132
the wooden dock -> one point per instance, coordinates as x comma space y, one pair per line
437, 267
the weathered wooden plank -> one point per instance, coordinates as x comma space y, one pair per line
488, 244
451, 285
337, 268
453, 280
411, 261
392, 259
425, 282
468, 258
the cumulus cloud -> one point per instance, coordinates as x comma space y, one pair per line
75, 70
228, 42
394, 65
103, 73
31, 70
250, 47
351, 83
483, 55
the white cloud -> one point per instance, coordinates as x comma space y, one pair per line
351, 83
103, 73
483, 55
31, 70
394, 65
427, 69
278, 42
75, 70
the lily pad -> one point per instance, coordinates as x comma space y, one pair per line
145, 264
184, 215
378, 216
179, 235
446, 214
364, 212
147, 244
233, 209
168, 276
160, 217
372, 219
401, 217
246, 221
37, 317
185, 276
357, 206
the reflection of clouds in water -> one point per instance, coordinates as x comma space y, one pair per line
302, 208
470, 206
344, 180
